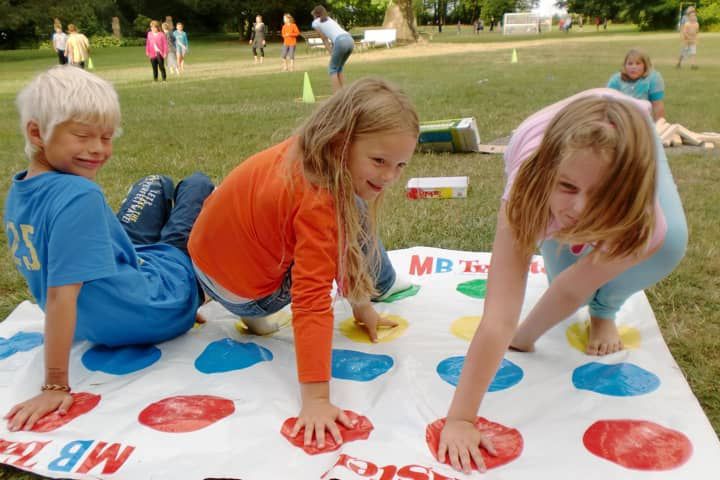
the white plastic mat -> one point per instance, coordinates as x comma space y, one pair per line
211, 403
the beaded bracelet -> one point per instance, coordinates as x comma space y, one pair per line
55, 388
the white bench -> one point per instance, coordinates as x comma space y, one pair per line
315, 43
386, 36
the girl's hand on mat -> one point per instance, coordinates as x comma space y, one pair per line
461, 440
317, 416
367, 318
23, 416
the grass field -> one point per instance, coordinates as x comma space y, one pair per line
224, 109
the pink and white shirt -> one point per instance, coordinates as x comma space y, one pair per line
526, 140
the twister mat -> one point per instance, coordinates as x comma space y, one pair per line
215, 403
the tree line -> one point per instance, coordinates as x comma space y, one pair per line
26, 22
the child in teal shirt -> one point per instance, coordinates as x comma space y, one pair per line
637, 79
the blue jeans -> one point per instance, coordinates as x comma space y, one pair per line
606, 301
342, 48
155, 211
384, 274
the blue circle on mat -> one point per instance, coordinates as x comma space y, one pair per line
20, 342
227, 354
508, 375
359, 366
618, 380
120, 360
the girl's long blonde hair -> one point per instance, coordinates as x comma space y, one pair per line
366, 107
619, 217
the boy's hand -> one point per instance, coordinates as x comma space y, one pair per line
23, 416
461, 439
367, 318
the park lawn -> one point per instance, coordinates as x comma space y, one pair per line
225, 109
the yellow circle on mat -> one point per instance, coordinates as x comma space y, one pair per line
282, 318
577, 336
464, 327
359, 334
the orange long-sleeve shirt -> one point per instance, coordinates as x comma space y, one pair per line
289, 34
253, 228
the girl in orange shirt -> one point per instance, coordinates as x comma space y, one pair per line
289, 34
290, 220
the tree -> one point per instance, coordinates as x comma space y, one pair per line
400, 15
647, 14
498, 8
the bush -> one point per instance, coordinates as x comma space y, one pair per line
141, 25
710, 17
101, 41
132, 42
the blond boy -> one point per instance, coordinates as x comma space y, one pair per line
689, 32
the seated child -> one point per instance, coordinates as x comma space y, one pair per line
639, 80
112, 280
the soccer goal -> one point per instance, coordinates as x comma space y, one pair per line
524, 23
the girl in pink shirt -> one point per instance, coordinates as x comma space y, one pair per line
156, 49
589, 182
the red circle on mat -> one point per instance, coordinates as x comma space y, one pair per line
361, 431
185, 413
508, 442
638, 444
83, 402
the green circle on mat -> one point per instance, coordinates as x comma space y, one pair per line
408, 292
473, 288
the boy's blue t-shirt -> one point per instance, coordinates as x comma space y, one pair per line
62, 231
650, 88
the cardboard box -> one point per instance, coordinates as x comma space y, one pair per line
454, 135
437, 187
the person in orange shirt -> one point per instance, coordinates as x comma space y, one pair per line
289, 34
292, 219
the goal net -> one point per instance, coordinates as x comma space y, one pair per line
524, 23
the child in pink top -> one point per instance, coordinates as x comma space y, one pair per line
589, 182
156, 49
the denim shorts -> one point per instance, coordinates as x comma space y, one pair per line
261, 307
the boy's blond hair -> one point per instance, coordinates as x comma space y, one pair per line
66, 93
619, 217
365, 108
638, 54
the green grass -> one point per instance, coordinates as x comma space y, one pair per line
225, 109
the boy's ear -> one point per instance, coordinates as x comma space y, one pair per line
33, 133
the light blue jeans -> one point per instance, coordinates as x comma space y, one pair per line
606, 301
342, 48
